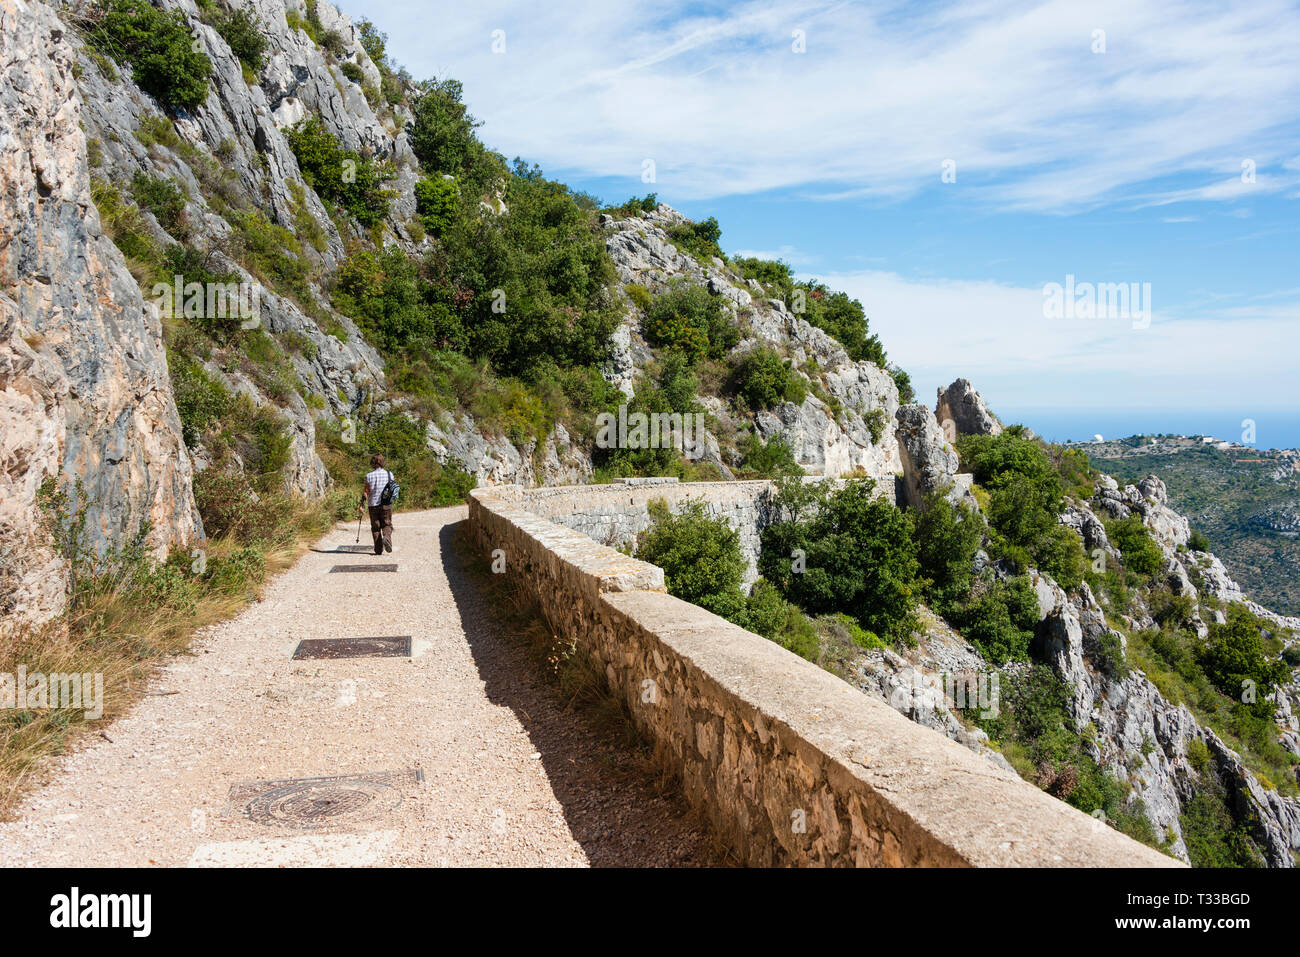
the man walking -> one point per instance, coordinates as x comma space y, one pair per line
381, 511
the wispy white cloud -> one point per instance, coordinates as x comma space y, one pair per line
995, 334
883, 95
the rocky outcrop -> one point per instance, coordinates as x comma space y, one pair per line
929, 463
961, 405
847, 429
86, 396
1149, 499
926, 682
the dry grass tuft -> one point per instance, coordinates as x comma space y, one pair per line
123, 623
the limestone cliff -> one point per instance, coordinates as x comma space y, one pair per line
86, 396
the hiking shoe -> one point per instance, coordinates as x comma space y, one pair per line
388, 545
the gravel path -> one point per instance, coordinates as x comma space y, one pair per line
509, 777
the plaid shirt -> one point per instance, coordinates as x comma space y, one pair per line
375, 482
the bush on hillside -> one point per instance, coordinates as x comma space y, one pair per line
762, 378
158, 46
162, 197
436, 202
700, 557
242, 31
442, 137
344, 177
1139, 550
947, 538
858, 556
699, 239
689, 319
1235, 660
999, 619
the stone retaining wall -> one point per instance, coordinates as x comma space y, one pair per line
615, 514
790, 764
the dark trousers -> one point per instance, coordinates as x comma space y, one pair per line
381, 526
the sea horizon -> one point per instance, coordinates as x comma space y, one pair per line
1274, 428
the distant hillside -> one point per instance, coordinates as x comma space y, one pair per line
1246, 501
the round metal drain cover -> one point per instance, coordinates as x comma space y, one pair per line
318, 802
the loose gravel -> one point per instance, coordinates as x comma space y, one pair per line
510, 776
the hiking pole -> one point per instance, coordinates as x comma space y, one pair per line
358, 524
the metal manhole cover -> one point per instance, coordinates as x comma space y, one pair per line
364, 568
309, 803
398, 646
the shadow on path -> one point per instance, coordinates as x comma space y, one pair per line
611, 809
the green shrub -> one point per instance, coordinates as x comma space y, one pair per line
700, 557
765, 610
1140, 552
156, 129
1234, 654
1107, 653
436, 202
771, 459
353, 72
876, 422
906, 394
689, 319
1000, 618
373, 40
1025, 499
158, 46
947, 538
273, 254
379, 291
1197, 542
200, 399
1078, 477
530, 290
332, 43
124, 223
162, 197
640, 296
1059, 553
442, 136
765, 271
244, 34
237, 572
229, 505
344, 177
858, 556
295, 22
635, 206
762, 378
699, 239
1212, 836
192, 267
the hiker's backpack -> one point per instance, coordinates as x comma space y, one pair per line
390, 492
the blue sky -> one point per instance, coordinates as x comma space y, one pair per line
1102, 140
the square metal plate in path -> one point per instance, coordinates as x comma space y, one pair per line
308, 803
396, 646
363, 568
